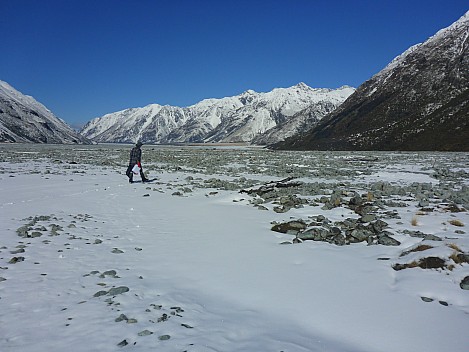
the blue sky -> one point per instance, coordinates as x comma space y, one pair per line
86, 58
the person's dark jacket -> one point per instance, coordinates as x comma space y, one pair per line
135, 156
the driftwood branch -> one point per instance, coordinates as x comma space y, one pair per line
270, 186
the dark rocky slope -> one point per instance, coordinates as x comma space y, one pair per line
420, 101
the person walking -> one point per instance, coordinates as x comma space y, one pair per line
135, 159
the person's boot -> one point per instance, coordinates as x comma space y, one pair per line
131, 179
144, 179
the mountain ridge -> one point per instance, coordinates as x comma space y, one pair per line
239, 118
25, 120
419, 101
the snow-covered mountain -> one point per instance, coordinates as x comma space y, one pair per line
24, 120
303, 120
420, 101
240, 118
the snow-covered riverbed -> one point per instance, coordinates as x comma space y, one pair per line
89, 262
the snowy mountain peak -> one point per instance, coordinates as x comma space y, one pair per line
8, 92
302, 85
460, 25
238, 118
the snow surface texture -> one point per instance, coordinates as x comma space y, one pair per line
232, 119
89, 262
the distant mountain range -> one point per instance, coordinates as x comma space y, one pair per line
261, 118
23, 119
420, 101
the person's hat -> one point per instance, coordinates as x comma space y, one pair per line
139, 144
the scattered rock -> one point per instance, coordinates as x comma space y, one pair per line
164, 337
123, 343
456, 222
424, 263
291, 227
379, 225
388, 241
394, 204
111, 273
118, 290
365, 209
145, 333
23, 231
462, 258
334, 235
360, 235
54, 231
453, 208
420, 234
120, 318
288, 202
465, 283
432, 263
163, 318
368, 218
15, 260
431, 237
314, 234
355, 201
423, 203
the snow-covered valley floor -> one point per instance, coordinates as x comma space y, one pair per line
89, 262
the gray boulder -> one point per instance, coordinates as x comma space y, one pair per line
387, 240
465, 283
